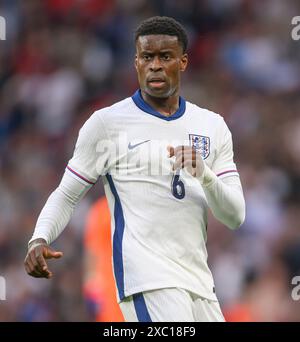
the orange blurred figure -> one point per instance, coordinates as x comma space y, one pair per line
99, 283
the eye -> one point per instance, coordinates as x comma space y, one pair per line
146, 57
166, 57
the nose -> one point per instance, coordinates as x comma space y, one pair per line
156, 64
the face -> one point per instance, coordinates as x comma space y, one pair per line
159, 62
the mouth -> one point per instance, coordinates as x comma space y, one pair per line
156, 82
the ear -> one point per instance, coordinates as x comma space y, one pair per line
183, 62
135, 61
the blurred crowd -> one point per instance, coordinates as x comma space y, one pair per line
62, 59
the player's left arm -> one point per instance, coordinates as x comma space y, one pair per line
224, 195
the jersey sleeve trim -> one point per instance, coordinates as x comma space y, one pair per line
78, 175
226, 172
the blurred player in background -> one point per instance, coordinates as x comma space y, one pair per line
99, 287
159, 220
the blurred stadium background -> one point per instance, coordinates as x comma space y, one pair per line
63, 59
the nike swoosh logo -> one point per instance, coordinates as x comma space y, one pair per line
131, 147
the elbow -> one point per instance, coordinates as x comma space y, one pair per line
238, 218
236, 223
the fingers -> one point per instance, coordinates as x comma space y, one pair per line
186, 157
180, 150
50, 253
43, 267
181, 158
171, 151
28, 266
35, 263
185, 154
58, 255
32, 266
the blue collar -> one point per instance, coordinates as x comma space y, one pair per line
144, 106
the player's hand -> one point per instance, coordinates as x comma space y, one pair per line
35, 261
187, 157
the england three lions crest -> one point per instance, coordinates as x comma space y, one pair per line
201, 144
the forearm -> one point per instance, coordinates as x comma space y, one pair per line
225, 198
58, 209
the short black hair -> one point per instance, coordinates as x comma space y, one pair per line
163, 25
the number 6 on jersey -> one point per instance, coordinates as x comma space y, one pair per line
177, 186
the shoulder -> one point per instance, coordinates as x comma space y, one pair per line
204, 114
117, 109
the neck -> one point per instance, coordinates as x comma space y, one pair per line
166, 106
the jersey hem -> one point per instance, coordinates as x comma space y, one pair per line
140, 289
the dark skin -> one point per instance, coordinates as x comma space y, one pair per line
159, 62
35, 261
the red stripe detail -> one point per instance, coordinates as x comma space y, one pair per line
223, 173
78, 175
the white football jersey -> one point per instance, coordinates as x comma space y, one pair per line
159, 218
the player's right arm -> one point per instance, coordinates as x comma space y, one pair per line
83, 170
52, 221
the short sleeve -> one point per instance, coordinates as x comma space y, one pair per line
223, 164
91, 154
